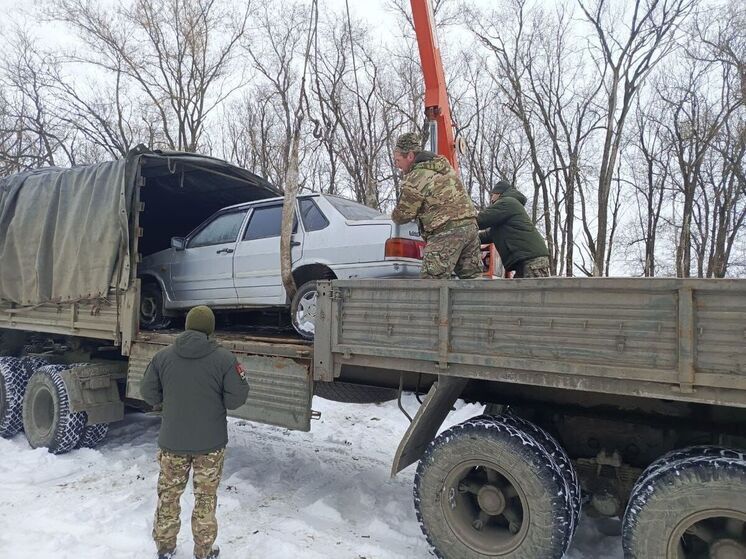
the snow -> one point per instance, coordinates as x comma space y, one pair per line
327, 493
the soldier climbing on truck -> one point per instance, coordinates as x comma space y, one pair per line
433, 194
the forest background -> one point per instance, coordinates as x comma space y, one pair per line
623, 122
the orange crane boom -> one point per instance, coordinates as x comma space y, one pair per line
437, 109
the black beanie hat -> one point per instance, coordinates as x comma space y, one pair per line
500, 187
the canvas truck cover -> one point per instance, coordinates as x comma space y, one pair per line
65, 233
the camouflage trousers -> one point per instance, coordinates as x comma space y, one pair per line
533, 268
454, 251
207, 471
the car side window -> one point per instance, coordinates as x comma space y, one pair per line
265, 222
313, 218
223, 229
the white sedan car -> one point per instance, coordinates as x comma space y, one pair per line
232, 260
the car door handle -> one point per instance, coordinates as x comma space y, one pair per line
225, 250
294, 243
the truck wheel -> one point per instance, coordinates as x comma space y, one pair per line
13, 377
303, 310
557, 453
485, 488
47, 419
354, 393
92, 435
690, 508
678, 455
152, 316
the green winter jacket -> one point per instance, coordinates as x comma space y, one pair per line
196, 380
511, 230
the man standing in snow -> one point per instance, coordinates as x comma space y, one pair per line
196, 381
507, 225
433, 194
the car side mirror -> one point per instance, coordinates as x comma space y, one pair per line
178, 243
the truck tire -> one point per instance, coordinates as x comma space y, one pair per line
676, 456
691, 507
13, 378
557, 453
47, 419
486, 489
354, 393
152, 311
92, 435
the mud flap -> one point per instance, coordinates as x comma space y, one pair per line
280, 392
93, 389
433, 411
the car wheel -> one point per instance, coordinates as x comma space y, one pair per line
303, 310
152, 316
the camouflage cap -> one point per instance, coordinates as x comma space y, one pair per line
501, 187
409, 141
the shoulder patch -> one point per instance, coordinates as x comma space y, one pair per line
241, 371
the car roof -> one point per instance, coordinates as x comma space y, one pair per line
267, 201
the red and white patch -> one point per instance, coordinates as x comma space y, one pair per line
241, 371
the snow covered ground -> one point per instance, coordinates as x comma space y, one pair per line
284, 494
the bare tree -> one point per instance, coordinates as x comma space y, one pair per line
651, 170
628, 49
32, 132
179, 53
291, 177
348, 91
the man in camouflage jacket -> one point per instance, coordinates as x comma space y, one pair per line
195, 380
433, 194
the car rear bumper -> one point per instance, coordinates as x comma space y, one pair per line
397, 269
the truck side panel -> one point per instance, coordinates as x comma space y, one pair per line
678, 339
87, 319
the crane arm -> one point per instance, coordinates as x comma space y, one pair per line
437, 109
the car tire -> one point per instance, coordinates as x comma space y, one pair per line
485, 488
303, 310
349, 393
13, 377
152, 315
48, 421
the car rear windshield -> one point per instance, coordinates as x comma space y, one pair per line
353, 210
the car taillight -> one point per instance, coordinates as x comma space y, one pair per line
397, 247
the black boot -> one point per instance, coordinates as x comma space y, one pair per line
166, 554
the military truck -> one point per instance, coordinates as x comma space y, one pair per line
624, 398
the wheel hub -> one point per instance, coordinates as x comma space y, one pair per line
147, 308
727, 549
491, 500
306, 313
485, 508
